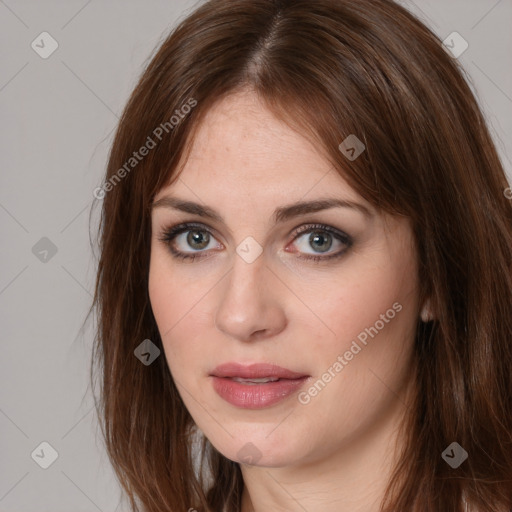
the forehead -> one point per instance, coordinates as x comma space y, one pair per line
241, 149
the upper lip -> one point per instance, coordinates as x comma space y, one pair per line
255, 371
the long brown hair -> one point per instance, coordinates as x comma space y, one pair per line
330, 68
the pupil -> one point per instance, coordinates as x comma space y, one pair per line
314, 237
197, 237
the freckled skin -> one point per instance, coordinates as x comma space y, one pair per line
333, 452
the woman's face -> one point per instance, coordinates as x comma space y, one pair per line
344, 323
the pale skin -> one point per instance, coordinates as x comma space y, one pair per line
334, 453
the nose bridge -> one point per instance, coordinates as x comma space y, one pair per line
246, 303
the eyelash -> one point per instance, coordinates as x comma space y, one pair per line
169, 234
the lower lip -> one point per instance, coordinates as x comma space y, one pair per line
255, 396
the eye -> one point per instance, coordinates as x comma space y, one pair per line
322, 238
183, 237
194, 236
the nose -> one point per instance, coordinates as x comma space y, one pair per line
250, 305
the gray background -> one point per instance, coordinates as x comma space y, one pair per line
57, 120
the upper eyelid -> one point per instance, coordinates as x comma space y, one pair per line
303, 229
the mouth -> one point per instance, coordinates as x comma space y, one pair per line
264, 380
257, 372
255, 386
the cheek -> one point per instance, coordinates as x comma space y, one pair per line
166, 302
354, 300
367, 356
162, 296
170, 294
176, 303
375, 350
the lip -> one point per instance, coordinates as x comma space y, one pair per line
255, 396
255, 371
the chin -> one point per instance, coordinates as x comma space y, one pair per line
256, 448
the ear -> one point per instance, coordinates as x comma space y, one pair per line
426, 313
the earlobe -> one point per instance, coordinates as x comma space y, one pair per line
426, 312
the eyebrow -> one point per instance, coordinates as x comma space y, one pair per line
280, 214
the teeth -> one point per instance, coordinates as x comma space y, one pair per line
255, 381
